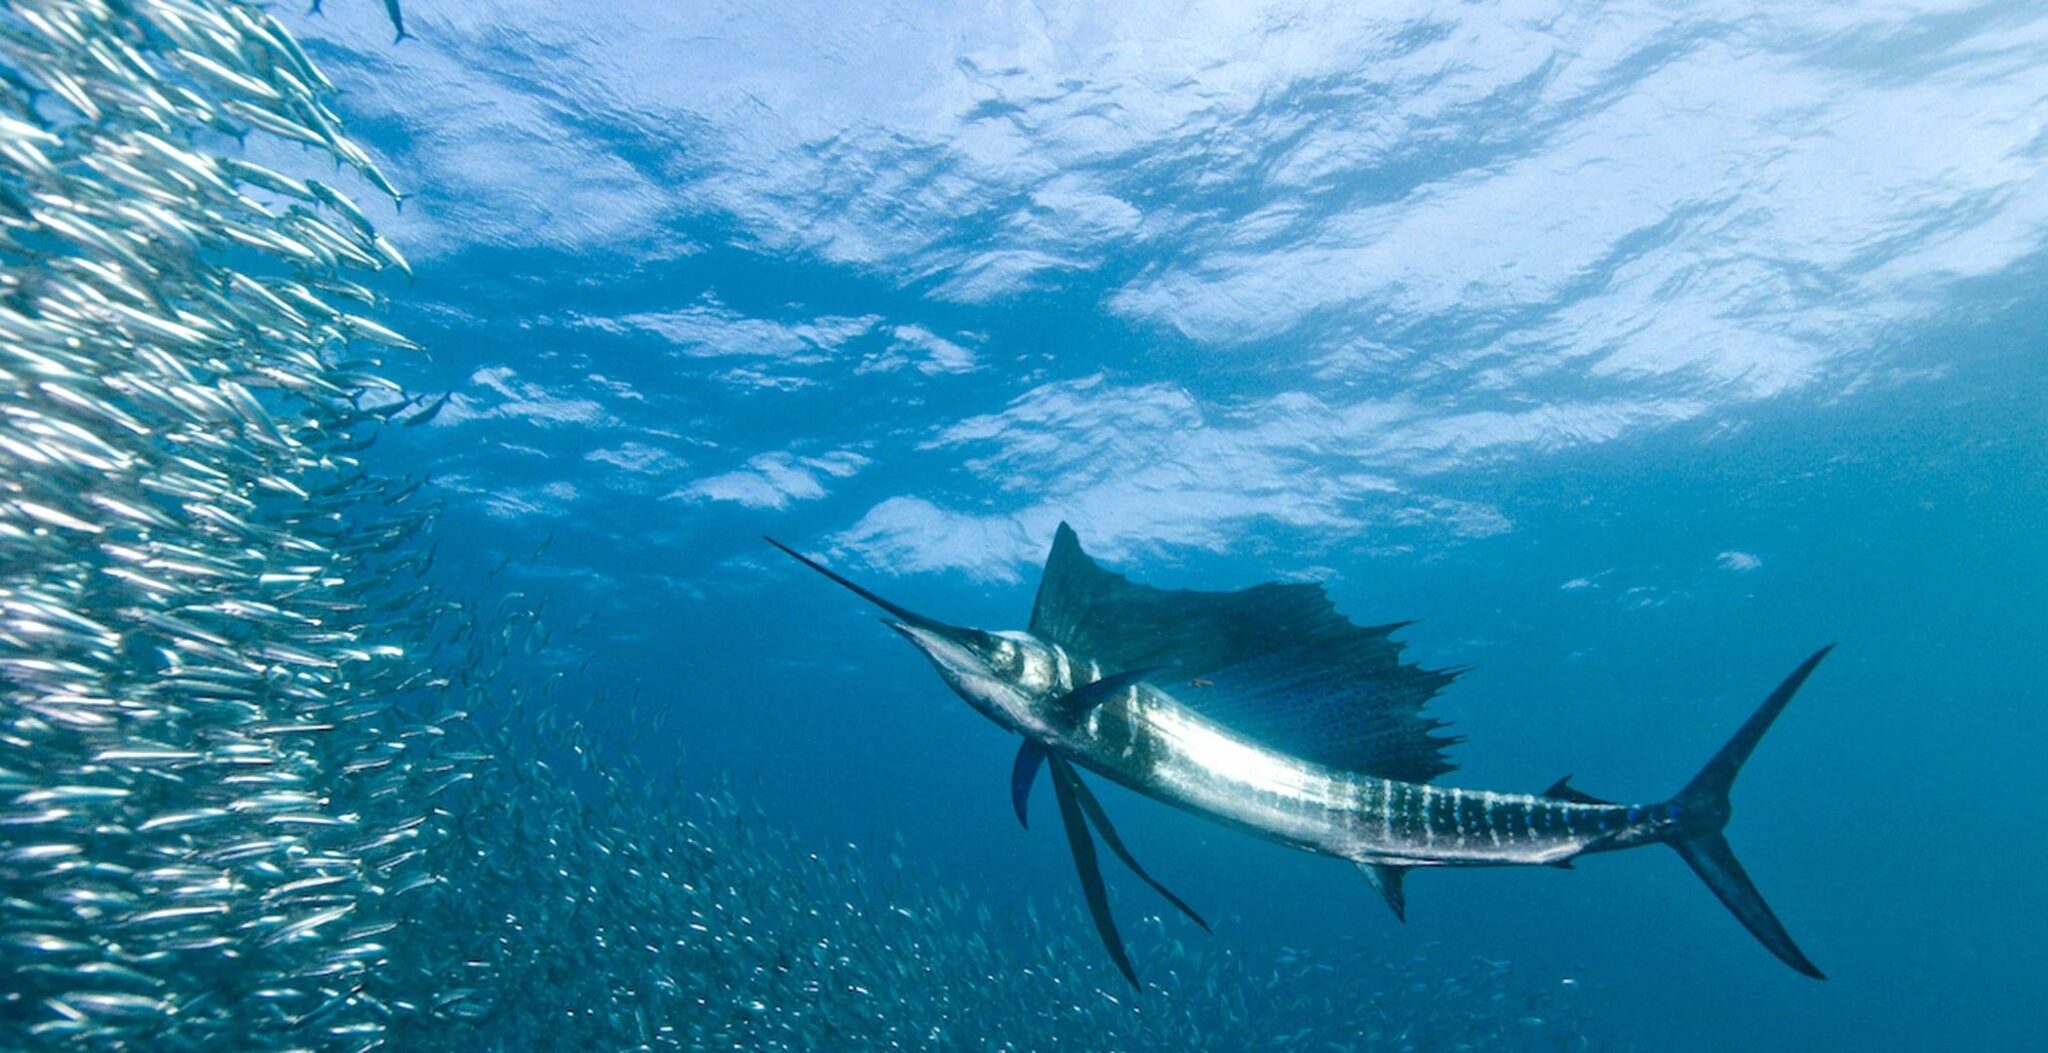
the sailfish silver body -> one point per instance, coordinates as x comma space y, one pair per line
1146, 739
1267, 711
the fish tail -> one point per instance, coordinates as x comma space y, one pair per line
1702, 810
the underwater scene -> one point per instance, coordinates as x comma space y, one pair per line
1001, 526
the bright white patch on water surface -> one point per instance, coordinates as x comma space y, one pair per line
911, 534
710, 329
774, 480
638, 458
1133, 466
1738, 561
503, 394
921, 349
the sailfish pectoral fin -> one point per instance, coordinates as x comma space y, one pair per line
1089, 869
1023, 772
1101, 820
1090, 695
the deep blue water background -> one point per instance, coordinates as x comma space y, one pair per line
1632, 356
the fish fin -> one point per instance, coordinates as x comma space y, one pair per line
1346, 703
433, 410
1086, 697
1024, 771
1702, 809
1562, 790
1715, 863
1386, 879
1086, 865
1281, 665
1116, 845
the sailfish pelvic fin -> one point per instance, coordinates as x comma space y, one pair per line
1090, 870
1116, 844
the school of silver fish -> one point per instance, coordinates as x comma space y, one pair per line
266, 784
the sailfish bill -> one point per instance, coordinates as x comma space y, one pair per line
1268, 711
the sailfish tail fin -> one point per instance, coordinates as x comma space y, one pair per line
1703, 809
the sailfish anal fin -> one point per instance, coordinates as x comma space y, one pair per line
1386, 879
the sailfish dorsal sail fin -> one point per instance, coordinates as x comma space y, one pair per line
1275, 662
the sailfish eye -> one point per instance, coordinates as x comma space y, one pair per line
1007, 658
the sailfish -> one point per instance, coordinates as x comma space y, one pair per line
1266, 710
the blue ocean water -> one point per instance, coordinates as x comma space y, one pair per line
1632, 354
